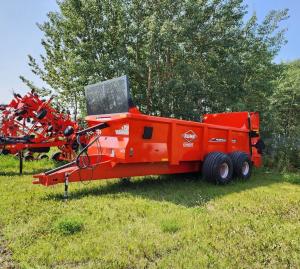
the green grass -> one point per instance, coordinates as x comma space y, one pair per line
155, 222
68, 226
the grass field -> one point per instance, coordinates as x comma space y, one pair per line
155, 222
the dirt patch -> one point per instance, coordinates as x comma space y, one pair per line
5, 255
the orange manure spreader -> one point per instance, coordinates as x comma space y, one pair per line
123, 142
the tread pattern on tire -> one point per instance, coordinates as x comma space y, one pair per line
210, 167
238, 158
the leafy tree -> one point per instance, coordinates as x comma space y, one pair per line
184, 58
284, 115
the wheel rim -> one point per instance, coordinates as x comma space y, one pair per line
224, 170
57, 157
29, 158
245, 168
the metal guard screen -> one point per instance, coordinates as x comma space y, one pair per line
111, 96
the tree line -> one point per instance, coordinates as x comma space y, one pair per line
183, 58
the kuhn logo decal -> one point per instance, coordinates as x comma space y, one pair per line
124, 130
189, 136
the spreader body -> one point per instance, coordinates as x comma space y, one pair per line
133, 144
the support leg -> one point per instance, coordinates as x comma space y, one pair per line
66, 186
21, 162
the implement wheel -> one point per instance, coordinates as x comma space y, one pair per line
57, 157
68, 131
242, 165
29, 158
21, 112
4, 151
41, 114
43, 157
217, 167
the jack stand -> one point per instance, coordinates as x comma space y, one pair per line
66, 186
21, 162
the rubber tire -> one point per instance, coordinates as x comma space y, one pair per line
4, 151
41, 114
211, 167
238, 158
68, 131
21, 112
28, 158
56, 157
44, 157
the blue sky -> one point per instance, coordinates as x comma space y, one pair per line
20, 37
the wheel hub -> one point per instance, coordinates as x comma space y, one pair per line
224, 170
245, 168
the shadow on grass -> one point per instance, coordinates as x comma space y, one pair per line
186, 190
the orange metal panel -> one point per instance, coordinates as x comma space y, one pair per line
176, 146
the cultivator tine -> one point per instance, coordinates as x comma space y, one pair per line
25, 125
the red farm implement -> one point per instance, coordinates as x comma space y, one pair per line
124, 142
31, 125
